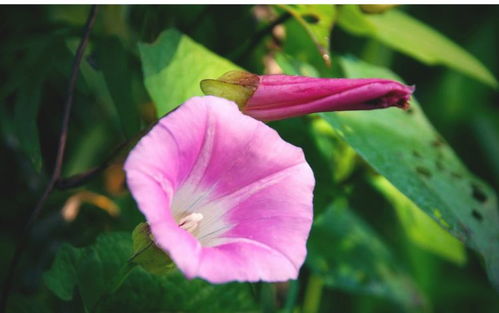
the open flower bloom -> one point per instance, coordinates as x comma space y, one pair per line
223, 194
274, 97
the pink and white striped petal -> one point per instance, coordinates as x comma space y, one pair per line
223, 194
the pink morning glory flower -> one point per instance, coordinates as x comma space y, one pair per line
223, 194
274, 97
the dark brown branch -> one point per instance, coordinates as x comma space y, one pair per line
23, 241
83, 178
116, 156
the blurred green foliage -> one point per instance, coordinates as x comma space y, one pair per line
407, 35
395, 205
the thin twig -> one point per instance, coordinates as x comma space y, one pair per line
23, 241
82, 178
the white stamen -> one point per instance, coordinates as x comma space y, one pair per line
190, 222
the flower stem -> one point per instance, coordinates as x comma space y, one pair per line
313, 294
268, 294
293, 289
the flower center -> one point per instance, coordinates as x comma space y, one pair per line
190, 222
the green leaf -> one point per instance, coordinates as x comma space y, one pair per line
412, 37
90, 269
146, 292
421, 229
348, 254
26, 116
62, 277
173, 67
93, 269
353, 20
406, 149
27, 89
115, 66
318, 20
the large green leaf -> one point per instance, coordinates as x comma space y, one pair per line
146, 292
174, 65
93, 269
318, 21
412, 37
40, 54
421, 229
348, 254
406, 149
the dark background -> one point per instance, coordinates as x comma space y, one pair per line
35, 62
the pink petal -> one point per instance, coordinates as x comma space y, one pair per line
253, 189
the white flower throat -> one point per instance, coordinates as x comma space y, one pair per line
190, 222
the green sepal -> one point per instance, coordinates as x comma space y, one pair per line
147, 254
237, 86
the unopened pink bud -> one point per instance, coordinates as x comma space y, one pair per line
274, 97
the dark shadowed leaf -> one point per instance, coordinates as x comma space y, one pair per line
113, 61
146, 292
348, 254
92, 270
26, 116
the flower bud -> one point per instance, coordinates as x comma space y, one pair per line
275, 97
